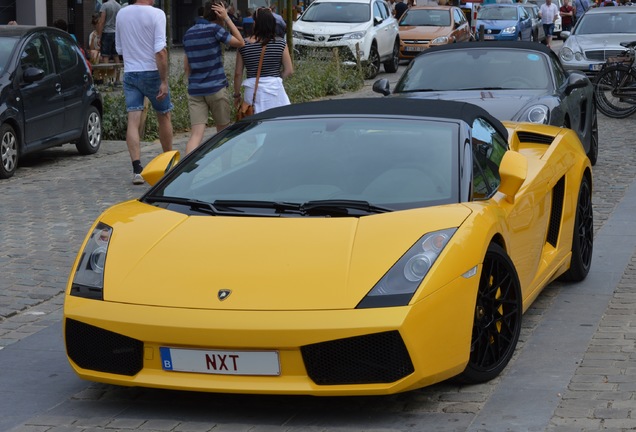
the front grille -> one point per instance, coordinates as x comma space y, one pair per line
602, 55
417, 41
368, 359
320, 38
100, 350
531, 137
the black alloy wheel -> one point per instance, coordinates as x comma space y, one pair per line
373, 63
392, 64
497, 320
583, 236
592, 154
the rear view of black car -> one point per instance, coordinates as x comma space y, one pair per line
47, 95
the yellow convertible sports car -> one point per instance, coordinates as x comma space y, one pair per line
343, 247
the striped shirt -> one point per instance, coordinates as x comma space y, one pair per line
202, 45
272, 61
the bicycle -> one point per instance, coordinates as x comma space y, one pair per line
615, 84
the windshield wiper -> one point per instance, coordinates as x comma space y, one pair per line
481, 88
279, 206
340, 207
194, 204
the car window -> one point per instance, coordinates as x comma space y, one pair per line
401, 163
458, 17
560, 75
377, 12
497, 13
489, 68
620, 22
426, 17
384, 11
340, 12
489, 148
7, 44
66, 52
35, 54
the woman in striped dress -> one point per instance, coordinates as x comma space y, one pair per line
277, 65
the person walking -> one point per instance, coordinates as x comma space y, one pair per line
567, 15
106, 30
548, 13
203, 64
270, 92
281, 25
580, 7
141, 39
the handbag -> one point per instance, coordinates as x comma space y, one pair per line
247, 109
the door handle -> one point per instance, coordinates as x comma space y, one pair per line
58, 87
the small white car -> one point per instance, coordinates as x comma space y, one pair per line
365, 29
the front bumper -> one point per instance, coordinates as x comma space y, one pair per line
349, 51
338, 352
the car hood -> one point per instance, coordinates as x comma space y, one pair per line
328, 28
502, 104
418, 32
496, 24
163, 258
600, 41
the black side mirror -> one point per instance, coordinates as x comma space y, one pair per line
382, 86
32, 74
575, 80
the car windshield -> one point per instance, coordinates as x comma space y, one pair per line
424, 17
6, 48
619, 22
497, 13
477, 69
391, 162
341, 12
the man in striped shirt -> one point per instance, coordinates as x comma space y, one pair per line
203, 63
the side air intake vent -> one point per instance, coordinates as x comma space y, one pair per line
556, 212
531, 137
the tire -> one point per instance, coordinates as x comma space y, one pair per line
583, 237
373, 63
9, 150
91, 137
497, 321
605, 84
391, 65
592, 154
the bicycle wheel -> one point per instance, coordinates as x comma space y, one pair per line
605, 85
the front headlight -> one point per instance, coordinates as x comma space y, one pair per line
537, 114
89, 275
440, 40
297, 34
354, 35
509, 30
566, 54
399, 284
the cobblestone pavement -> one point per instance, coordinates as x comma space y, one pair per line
49, 204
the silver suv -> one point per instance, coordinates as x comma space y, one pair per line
364, 28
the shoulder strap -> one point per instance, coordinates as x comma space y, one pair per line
258, 73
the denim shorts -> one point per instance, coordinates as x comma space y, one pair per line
548, 29
140, 84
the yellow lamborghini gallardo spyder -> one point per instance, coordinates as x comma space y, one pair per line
343, 247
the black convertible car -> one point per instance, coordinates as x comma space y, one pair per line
518, 81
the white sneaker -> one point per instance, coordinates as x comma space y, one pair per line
138, 179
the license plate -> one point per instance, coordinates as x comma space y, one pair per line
489, 37
596, 67
413, 48
220, 362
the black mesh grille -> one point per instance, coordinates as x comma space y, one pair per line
375, 358
530, 137
97, 349
556, 212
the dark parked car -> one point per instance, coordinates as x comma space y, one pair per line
47, 95
518, 81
